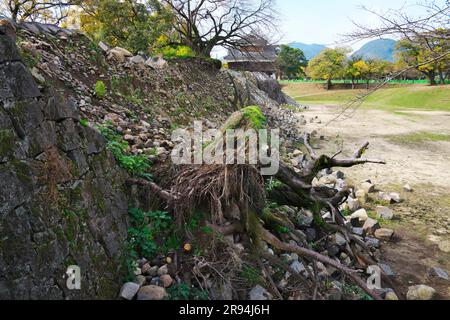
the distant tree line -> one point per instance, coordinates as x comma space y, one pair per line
412, 62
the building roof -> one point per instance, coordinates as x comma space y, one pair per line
236, 56
252, 48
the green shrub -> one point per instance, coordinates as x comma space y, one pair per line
251, 275
254, 115
84, 122
173, 52
183, 292
100, 89
145, 227
272, 184
135, 164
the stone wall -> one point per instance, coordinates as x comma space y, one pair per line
62, 197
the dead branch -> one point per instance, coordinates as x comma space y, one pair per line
274, 241
163, 194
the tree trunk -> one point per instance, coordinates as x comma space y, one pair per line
328, 84
432, 77
441, 77
353, 83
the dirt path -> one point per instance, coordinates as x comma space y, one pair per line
423, 219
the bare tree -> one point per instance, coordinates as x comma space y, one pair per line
52, 11
429, 30
398, 23
204, 24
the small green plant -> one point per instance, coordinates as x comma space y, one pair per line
319, 221
100, 89
134, 164
174, 52
135, 97
346, 212
355, 291
84, 122
251, 275
254, 115
183, 292
141, 242
282, 229
272, 184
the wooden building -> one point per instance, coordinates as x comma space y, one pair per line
255, 54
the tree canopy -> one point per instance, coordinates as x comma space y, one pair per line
421, 55
204, 24
130, 24
291, 62
328, 65
49, 11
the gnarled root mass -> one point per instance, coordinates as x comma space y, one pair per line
236, 202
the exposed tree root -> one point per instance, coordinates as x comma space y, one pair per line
214, 189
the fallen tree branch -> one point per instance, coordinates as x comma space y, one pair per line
163, 194
274, 241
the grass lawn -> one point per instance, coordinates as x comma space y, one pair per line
418, 97
419, 137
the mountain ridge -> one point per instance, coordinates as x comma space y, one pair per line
382, 49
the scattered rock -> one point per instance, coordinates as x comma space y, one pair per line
163, 270
145, 268
298, 267
436, 272
384, 234
333, 250
408, 188
420, 292
362, 196
387, 270
103, 46
339, 174
156, 63
140, 280
384, 196
119, 54
153, 271
166, 280
311, 234
384, 212
335, 294
258, 293
129, 290
37, 75
371, 225
359, 232
372, 242
339, 239
361, 215
353, 204
395, 197
368, 187
444, 246
391, 296
151, 293
155, 281
137, 272
137, 59
305, 221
